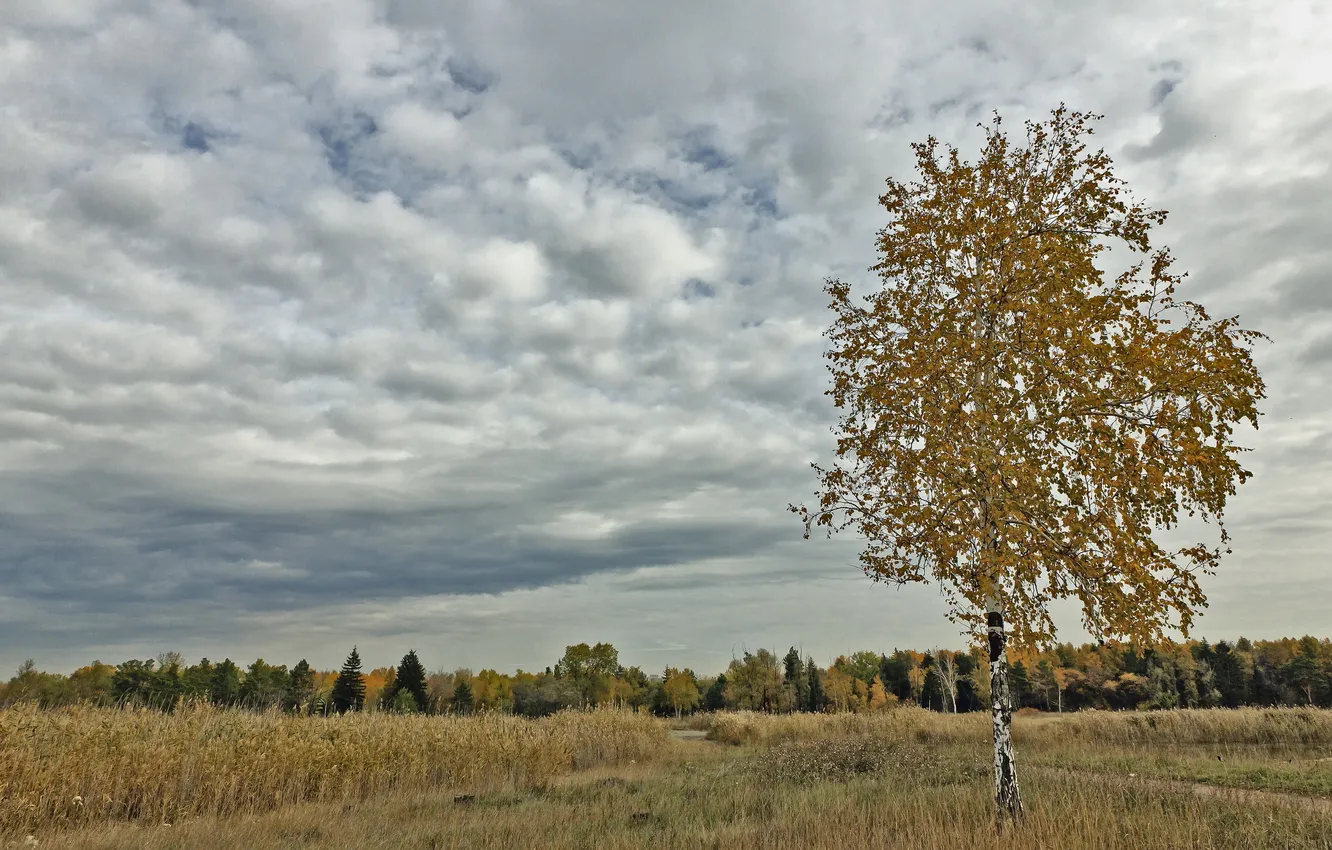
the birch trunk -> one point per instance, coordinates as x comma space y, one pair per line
1007, 799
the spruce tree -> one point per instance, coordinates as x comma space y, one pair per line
349, 689
815, 690
794, 677
463, 702
411, 677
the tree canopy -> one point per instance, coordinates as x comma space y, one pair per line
1015, 424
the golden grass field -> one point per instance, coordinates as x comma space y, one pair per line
102, 778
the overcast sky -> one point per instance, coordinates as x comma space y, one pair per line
483, 328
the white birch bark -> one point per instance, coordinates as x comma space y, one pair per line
947, 674
1007, 798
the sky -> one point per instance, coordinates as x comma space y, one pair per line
485, 328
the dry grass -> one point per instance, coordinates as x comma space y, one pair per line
82, 765
713, 802
908, 723
904, 779
1238, 726
698, 722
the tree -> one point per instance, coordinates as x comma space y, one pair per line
932, 694
862, 665
895, 671
349, 688
265, 685
795, 680
635, 687
1303, 674
973, 692
946, 672
92, 683
814, 690
300, 687
462, 701
544, 696
754, 682
30, 684
1233, 675
1014, 423
837, 688
679, 690
138, 683
225, 688
1019, 684
410, 676
715, 698
878, 696
196, 681
590, 667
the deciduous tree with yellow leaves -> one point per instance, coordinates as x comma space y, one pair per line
1015, 423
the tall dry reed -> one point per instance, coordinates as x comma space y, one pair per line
905, 723
1240, 726
86, 764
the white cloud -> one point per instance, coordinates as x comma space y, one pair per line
445, 308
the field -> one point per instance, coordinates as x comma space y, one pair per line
90, 778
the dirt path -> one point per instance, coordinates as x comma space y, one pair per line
689, 735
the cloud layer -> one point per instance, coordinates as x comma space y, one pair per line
488, 328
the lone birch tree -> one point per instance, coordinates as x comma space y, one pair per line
1015, 423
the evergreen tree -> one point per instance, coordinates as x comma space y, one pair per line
349, 688
1232, 678
403, 702
410, 676
794, 680
463, 701
931, 692
715, 698
792, 665
895, 673
265, 686
814, 692
196, 682
1303, 676
967, 697
1019, 684
300, 686
1208, 695
226, 685
132, 684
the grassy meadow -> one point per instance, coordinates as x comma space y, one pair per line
102, 778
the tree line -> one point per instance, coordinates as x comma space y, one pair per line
1192, 674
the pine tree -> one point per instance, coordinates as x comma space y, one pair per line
300, 686
463, 701
715, 698
411, 677
349, 689
815, 690
792, 666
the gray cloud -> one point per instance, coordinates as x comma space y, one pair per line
489, 329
